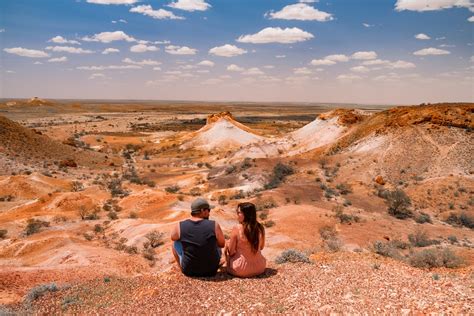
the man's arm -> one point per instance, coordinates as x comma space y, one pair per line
175, 233
220, 236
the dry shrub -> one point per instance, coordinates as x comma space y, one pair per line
329, 236
155, 238
293, 256
435, 258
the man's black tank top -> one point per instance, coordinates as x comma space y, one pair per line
200, 257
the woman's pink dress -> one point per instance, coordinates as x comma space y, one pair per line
245, 262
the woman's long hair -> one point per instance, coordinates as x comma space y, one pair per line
252, 228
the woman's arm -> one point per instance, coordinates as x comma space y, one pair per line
232, 248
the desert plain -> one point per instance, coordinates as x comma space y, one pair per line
367, 209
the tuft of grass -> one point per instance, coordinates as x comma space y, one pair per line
422, 218
293, 256
155, 238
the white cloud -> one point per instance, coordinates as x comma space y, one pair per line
447, 45
227, 50
375, 62
110, 51
268, 66
144, 62
276, 35
253, 72
187, 67
110, 67
471, 19
322, 62
431, 5
280, 56
422, 36
235, 68
400, 64
207, 63
2, 30
203, 71
97, 75
61, 40
24, 52
190, 5
348, 77
142, 48
121, 21
159, 14
337, 58
308, 1
37, 63
300, 11
112, 1
302, 71
472, 59
58, 60
367, 25
157, 68
69, 49
431, 51
107, 37
364, 55
361, 69
180, 50
330, 60
10, 71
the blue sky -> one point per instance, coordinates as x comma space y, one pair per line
364, 51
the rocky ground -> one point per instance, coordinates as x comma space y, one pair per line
331, 283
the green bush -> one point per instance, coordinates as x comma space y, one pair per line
293, 256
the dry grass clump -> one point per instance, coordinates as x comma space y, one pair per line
3, 233
330, 240
39, 291
293, 256
420, 239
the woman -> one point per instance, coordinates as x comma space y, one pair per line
243, 251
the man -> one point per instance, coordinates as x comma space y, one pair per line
197, 242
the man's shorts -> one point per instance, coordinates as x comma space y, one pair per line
178, 247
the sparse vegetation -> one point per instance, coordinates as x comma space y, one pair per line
40, 290
280, 172
34, 226
269, 224
435, 258
463, 219
292, 256
155, 238
3, 233
115, 188
77, 186
345, 218
172, 189
265, 203
344, 188
386, 249
329, 236
420, 239
422, 218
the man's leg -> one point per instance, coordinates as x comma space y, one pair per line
177, 250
